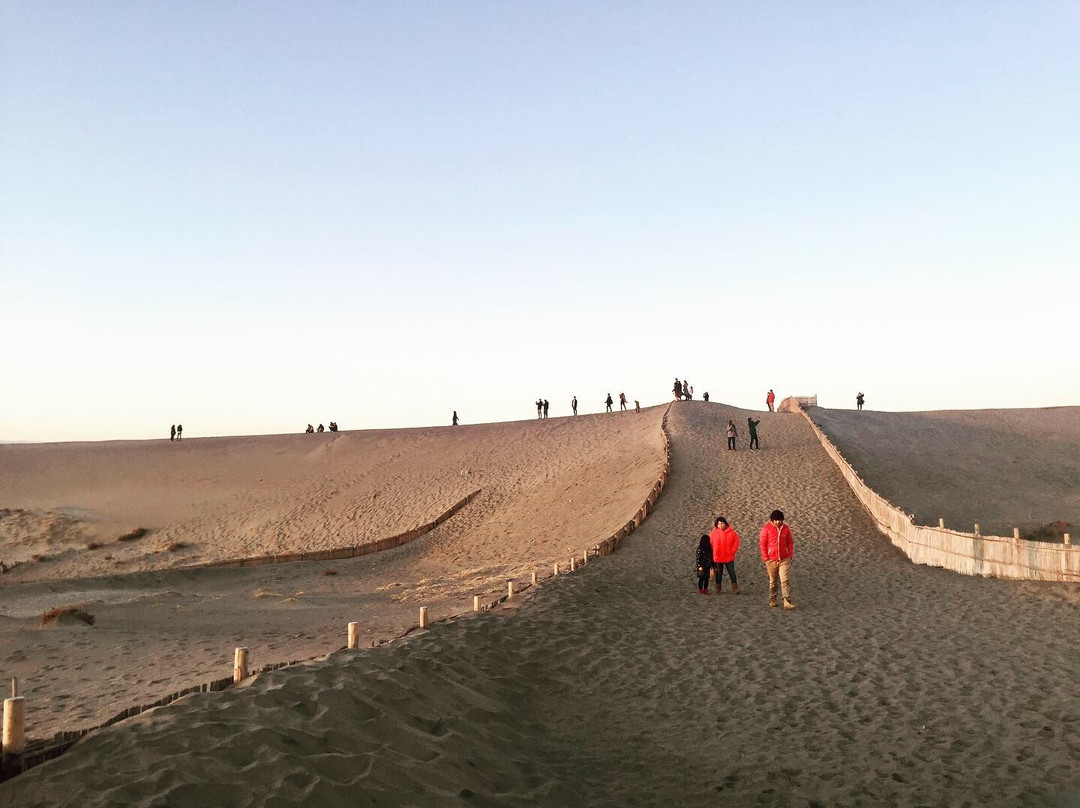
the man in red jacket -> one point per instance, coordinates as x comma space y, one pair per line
725, 544
777, 548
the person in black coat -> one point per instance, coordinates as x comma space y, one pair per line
704, 563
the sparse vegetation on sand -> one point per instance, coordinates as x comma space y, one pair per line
1051, 531
93, 545
39, 557
329, 572
137, 533
61, 612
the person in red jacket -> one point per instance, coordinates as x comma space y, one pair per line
777, 548
769, 399
725, 544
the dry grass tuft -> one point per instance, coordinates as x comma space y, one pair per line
174, 546
59, 612
1052, 531
329, 572
137, 533
39, 557
93, 545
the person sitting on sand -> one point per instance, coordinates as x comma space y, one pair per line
732, 434
752, 424
704, 564
310, 430
321, 428
724, 542
777, 549
333, 426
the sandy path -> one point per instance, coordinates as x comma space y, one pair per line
551, 489
1000, 468
891, 684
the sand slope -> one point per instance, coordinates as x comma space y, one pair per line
1000, 468
549, 489
891, 684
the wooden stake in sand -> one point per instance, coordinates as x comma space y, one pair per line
1016, 534
573, 563
354, 635
1066, 538
555, 569
584, 556
941, 522
509, 588
977, 529
14, 737
532, 577
476, 603
423, 617
15, 682
239, 668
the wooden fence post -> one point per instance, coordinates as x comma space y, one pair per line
476, 603
977, 533
555, 569
941, 522
573, 563
533, 577
1066, 539
1016, 534
15, 682
14, 735
240, 668
509, 588
354, 635
584, 556
423, 617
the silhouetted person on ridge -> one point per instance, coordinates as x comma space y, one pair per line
686, 389
179, 431
769, 399
539, 408
677, 389
455, 419
859, 400
705, 395
622, 401
573, 405
310, 430
608, 401
546, 405
172, 432
321, 428
333, 426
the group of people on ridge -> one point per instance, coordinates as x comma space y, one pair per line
683, 390
312, 430
716, 552
176, 432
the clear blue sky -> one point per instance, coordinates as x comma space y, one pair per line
247, 217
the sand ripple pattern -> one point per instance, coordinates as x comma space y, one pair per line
891, 684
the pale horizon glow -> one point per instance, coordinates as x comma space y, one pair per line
248, 218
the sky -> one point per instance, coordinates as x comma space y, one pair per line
247, 217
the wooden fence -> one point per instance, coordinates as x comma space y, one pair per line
39, 751
938, 546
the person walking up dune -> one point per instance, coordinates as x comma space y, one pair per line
732, 435
777, 549
704, 564
455, 419
725, 544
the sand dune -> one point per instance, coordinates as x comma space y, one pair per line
549, 489
891, 684
1000, 468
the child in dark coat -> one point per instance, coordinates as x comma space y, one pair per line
704, 564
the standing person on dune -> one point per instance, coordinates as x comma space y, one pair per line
172, 432
732, 435
752, 424
677, 389
179, 431
777, 549
769, 399
704, 564
546, 405
725, 544
608, 402
573, 404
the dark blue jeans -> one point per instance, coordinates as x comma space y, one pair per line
720, 572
